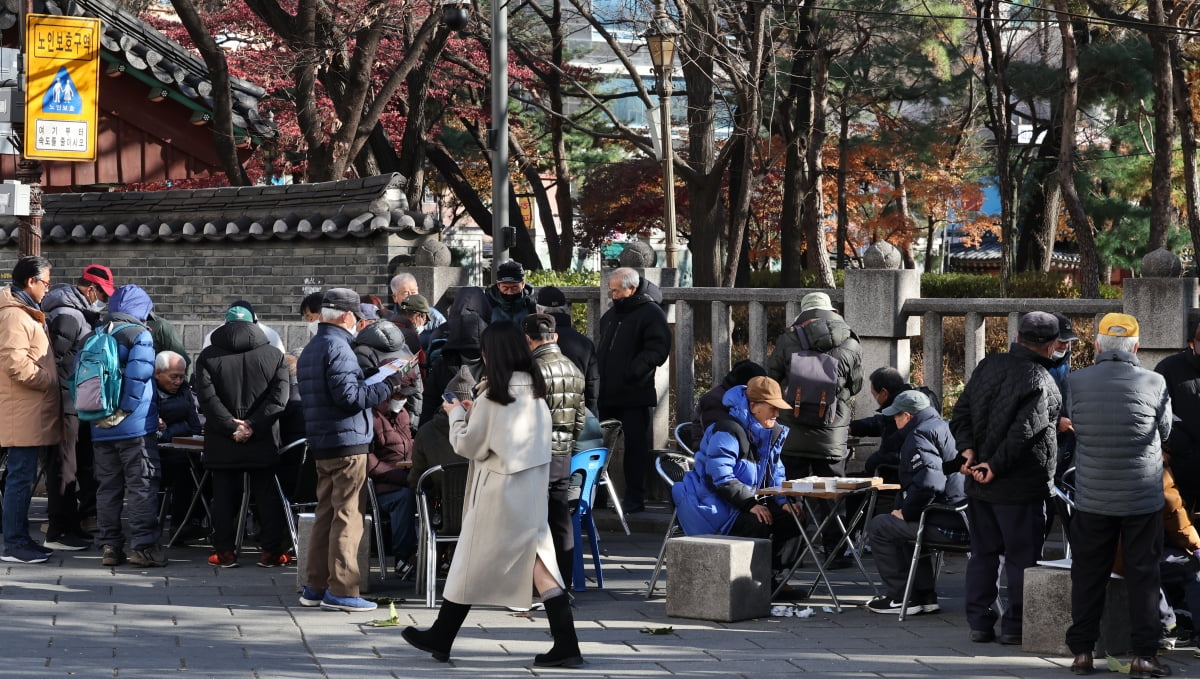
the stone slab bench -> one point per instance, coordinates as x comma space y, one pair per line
1047, 614
716, 577
304, 532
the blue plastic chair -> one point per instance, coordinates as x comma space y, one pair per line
588, 464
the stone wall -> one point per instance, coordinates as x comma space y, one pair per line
198, 280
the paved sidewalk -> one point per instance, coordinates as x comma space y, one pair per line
71, 617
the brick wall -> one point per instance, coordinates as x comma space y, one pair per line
198, 280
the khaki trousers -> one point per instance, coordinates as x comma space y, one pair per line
333, 547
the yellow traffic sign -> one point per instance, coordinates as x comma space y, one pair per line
63, 87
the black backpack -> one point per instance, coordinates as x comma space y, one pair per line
812, 384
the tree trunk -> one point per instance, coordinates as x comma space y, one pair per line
1089, 266
706, 211
843, 218
1164, 125
989, 29
222, 105
459, 185
1187, 142
814, 193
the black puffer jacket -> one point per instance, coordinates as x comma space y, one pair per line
461, 347
241, 376
829, 334
70, 320
564, 395
634, 339
582, 352
1008, 414
382, 341
1182, 372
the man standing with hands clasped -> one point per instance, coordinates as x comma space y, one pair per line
1004, 428
1121, 414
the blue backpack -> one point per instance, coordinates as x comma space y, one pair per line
96, 384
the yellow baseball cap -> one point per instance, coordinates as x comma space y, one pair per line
1118, 325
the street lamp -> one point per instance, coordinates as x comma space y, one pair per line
660, 38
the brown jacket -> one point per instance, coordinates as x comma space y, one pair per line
1177, 524
32, 411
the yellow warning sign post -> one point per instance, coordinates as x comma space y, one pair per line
63, 87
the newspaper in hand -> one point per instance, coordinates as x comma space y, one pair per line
388, 368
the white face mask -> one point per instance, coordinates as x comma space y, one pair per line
312, 328
98, 306
397, 405
1058, 354
420, 329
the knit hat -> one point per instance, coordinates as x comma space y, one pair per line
510, 271
462, 384
815, 300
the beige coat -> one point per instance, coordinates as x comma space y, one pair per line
504, 517
30, 404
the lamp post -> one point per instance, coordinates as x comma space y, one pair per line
456, 14
660, 38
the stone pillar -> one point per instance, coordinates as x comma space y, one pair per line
874, 300
434, 274
1161, 301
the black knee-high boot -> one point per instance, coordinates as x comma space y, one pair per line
438, 639
565, 652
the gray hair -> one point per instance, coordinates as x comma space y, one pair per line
629, 278
1108, 343
400, 280
164, 359
331, 315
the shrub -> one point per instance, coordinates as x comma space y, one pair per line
959, 285
563, 279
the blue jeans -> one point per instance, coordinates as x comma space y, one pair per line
401, 506
18, 489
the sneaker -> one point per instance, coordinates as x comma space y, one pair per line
927, 600
223, 560
149, 557
349, 604
67, 542
24, 555
271, 559
888, 605
405, 569
111, 556
40, 548
311, 598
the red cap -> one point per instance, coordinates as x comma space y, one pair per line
100, 275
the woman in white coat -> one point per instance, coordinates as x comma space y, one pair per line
505, 539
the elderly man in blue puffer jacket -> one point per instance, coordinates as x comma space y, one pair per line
738, 456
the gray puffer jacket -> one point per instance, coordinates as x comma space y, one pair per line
564, 394
1122, 415
828, 333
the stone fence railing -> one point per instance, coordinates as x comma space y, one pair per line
884, 307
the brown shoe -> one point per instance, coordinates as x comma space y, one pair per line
1083, 663
1148, 666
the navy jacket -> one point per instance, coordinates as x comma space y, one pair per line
337, 416
927, 446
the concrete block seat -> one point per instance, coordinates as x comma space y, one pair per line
716, 577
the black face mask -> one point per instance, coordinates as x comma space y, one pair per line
512, 298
